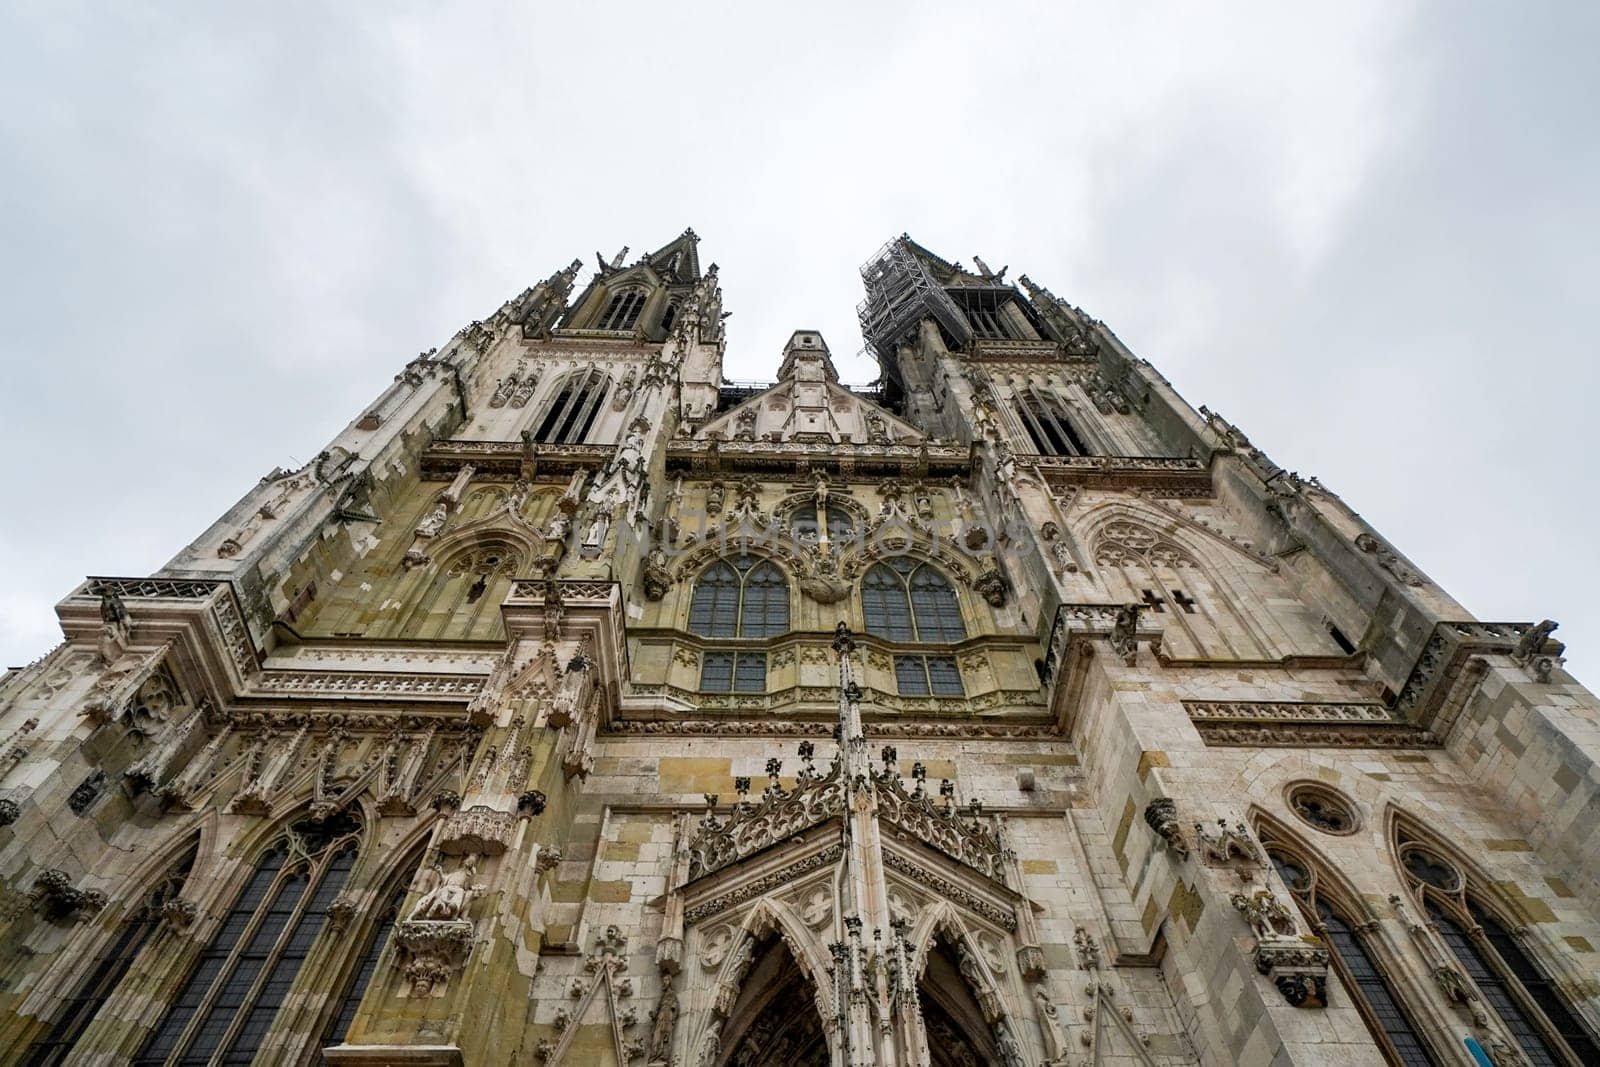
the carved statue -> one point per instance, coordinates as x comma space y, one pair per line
434, 521
1532, 642
450, 894
113, 628
663, 1021
1124, 632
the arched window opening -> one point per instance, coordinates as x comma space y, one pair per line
744, 596
622, 313
954, 1021
573, 409
227, 1004
1165, 579
1511, 980
1361, 971
108, 971
339, 1026
904, 601
463, 600
774, 1020
1045, 416
836, 520
668, 317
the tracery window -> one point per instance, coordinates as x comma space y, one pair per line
743, 596
1511, 980
622, 313
226, 1005
837, 521
463, 600
572, 411
927, 676
339, 1025
1045, 416
1169, 584
904, 601
733, 672
108, 971
1361, 970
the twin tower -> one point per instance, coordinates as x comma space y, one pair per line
574, 706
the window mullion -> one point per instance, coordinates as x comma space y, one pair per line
315, 873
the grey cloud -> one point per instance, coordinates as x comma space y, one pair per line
1365, 234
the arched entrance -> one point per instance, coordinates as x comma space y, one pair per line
958, 1035
775, 1018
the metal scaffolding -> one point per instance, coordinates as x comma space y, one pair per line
900, 294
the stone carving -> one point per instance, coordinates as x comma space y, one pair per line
1055, 1045
657, 576
10, 811
1228, 847
1124, 633
446, 897
780, 815
179, 913
341, 909
1388, 559
1088, 950
56, 899
114, 629
432, 950
992, 585
434, 520
1298, 968
478, 831
662, 1023
1267, 915
86, 793
1161, 815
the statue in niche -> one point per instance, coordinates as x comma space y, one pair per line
662, 1023
114, 628
1050, 1026
434, 521
448, 895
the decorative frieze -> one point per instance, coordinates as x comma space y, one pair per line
56, 899
1304, 724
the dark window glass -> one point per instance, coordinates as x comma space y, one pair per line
884, 604
107, 971
911, 676
1371, 986
716, 672
938, 613
1538, 987
1494, 989
805, 523
210, 963
1045, 417
714, 611
573, 409
339, 1028
668, 316
944, 679
766, 603
750, 673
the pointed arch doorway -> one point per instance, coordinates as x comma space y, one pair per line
958, 1035
774, 1020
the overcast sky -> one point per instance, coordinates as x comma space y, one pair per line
1368, 236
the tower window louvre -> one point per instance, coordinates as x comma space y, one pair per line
573, 409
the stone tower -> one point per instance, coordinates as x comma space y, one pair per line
576, 707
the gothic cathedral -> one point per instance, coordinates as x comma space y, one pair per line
578, 706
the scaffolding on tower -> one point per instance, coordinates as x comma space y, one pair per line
900, 294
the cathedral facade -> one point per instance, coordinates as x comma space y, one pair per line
578, 706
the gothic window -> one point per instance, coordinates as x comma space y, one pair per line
1322, 807
339, 1026
668, 317
904, 601
622, 313
226, 1006
733, 672
927, 676
106, 972
1510, 979
1045, 416
1358, 967
806, 524
1166, 581
572, 411
463, 600
744, 596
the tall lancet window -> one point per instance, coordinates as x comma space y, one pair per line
572, 410
1499, 962
1359, 967
102, 975
1049, 424
622, 312
902, 600
231, 996
339, 1025
744, 596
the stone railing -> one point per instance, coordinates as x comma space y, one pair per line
1442, 658
787, 456
1170, 473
